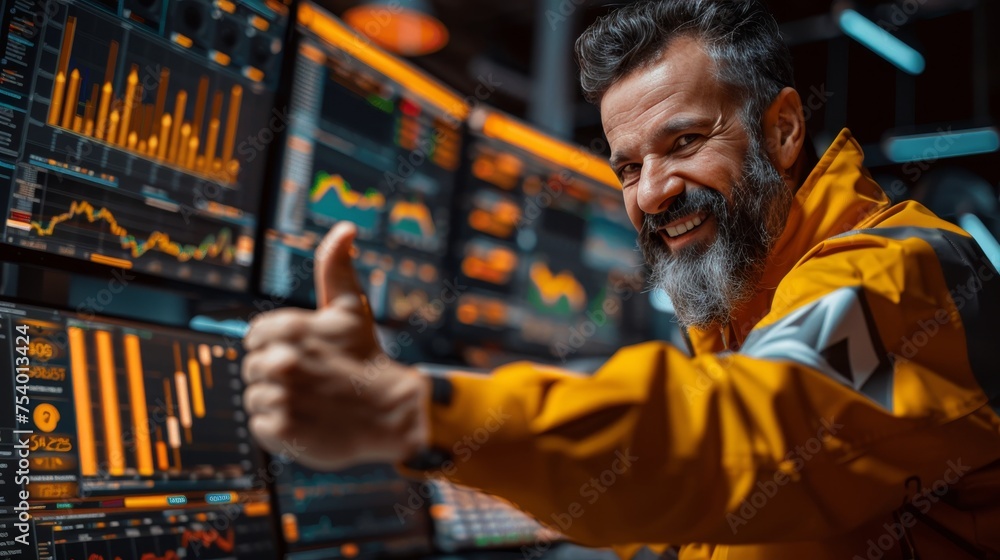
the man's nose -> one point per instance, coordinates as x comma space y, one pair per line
657, 189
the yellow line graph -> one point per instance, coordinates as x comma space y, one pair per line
348, 197
553, 287
415, 211
211, 247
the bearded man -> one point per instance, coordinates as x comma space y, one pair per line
840, 400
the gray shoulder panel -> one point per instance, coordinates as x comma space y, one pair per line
974, 285
834, 335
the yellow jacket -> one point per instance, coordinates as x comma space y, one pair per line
850, 412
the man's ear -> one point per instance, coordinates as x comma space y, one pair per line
785, 129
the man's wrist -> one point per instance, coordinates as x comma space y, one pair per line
415, 431
421, 454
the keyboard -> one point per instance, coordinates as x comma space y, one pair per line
466, 519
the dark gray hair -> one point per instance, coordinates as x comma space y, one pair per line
741, 37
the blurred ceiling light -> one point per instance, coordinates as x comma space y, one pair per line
881, 42
972, 224
661, 301
944, 144
404, 27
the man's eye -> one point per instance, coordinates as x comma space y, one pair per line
627, 170
687, 139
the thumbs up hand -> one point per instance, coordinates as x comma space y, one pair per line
318, 380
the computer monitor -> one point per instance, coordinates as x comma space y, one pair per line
376, 142
125, 440
134, 133
373, 141
368, 511
546, 248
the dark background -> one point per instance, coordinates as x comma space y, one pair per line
960, 87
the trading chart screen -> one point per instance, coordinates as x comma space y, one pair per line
363, 512
545, 247
376, 143
129, 440
130, 131
373, 142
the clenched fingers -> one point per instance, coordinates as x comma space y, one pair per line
282, 325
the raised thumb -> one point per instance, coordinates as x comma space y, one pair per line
334, 271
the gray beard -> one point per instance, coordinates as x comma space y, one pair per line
708, 282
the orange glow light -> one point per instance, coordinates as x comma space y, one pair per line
571, 157
333, 31
396, 29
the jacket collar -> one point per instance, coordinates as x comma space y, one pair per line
838, 195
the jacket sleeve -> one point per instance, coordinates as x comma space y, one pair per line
839, 395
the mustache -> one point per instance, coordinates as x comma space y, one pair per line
689, 202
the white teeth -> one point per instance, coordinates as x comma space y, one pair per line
680, 229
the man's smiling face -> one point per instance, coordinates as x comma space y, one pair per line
672, 128
698, 186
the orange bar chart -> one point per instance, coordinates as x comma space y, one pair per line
197, 392
183, 403
173, 426
140, 415
125, 120
81, 400
146, 502
183, 396
141, 404
109, 404
205, 357
72, 92
162, 461
59, 90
